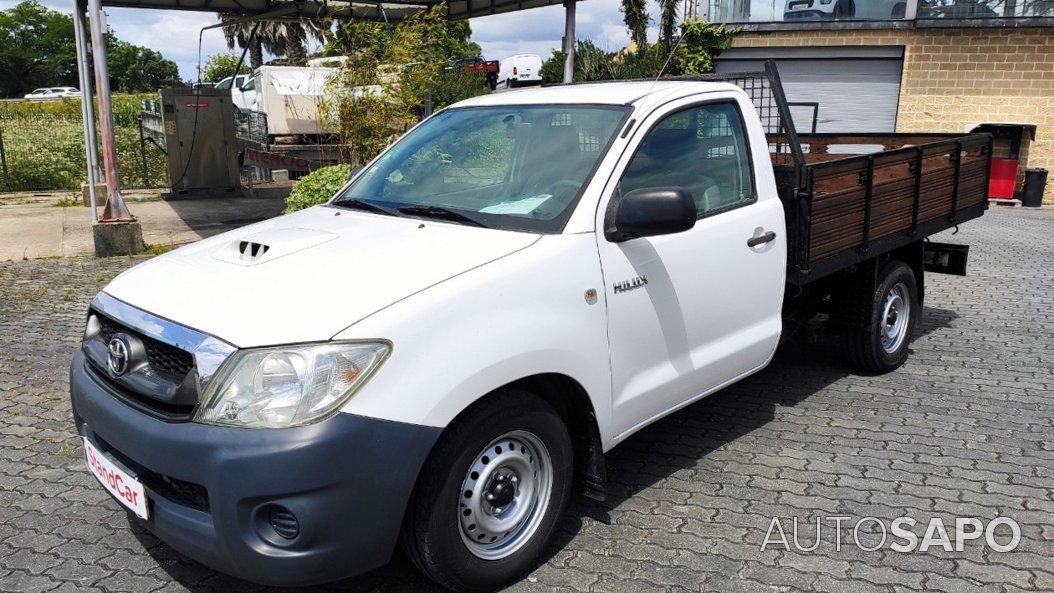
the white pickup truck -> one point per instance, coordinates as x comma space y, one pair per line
440, 356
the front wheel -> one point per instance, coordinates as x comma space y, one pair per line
491, 493
878, 340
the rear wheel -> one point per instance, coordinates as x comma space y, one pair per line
878, 339
490, 494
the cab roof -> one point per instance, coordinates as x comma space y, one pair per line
603, 93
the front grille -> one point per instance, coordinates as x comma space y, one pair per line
166, 394
178, 491
162, 356
158, 409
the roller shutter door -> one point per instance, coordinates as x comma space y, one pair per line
857, 89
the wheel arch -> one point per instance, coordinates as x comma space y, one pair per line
571, 400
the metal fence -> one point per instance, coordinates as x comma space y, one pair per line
250, 127
42, 151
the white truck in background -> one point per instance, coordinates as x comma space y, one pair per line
519, 70
290, 96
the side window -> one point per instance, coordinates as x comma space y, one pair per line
702, 149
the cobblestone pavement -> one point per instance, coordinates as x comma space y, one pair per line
966, 427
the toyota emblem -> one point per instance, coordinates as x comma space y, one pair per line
118, 358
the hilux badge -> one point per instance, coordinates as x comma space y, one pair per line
117, 359
633, 284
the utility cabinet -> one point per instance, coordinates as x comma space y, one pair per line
199, 139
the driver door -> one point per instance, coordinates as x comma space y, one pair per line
691, 312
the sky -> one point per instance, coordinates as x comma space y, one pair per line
535, 31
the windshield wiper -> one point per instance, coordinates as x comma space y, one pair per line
440, 213
357, 204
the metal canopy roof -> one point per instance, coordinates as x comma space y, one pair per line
389, 10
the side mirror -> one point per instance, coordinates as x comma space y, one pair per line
650, 211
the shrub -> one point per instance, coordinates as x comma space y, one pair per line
317, 187
455, 86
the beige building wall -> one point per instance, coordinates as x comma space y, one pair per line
955, 77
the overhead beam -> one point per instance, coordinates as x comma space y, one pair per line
378, 11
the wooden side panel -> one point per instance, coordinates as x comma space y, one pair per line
887, 182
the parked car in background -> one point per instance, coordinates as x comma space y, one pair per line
234, 84
477, 65
55, 92
520, 70
799, 10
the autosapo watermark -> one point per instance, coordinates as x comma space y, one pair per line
1001, 534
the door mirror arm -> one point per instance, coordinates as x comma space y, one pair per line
648, 212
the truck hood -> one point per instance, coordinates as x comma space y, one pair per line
306, 276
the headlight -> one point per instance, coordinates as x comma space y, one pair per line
288, 385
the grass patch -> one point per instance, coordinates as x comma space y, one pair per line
67, 202
158, 249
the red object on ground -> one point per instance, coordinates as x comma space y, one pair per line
1004, 177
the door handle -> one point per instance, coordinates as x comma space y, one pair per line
759, 239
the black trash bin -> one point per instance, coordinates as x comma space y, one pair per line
1035, 185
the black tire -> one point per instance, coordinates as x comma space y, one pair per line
432, 531
845, 9
864, 331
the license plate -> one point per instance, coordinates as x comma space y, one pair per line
121, 484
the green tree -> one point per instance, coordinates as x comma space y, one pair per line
220, 66
703, 41
667, 22
635, 15
453, 39
390, 71
36, 49
593, 63
135, 69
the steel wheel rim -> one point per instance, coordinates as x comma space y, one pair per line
896, 313
504, 495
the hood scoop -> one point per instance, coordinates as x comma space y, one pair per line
270, 244
252, 251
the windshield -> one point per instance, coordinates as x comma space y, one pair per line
508, 167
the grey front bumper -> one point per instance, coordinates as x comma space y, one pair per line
347, 480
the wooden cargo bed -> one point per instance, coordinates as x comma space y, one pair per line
849, 207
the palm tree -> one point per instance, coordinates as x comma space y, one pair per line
238, 35
667, 22
280, 37
635, 15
